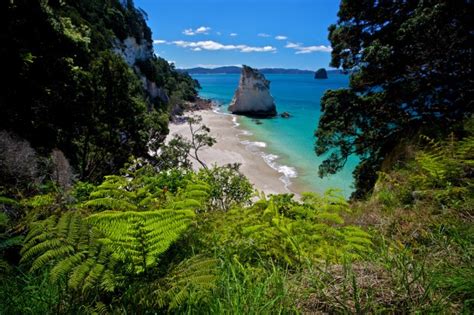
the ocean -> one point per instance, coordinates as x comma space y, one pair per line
286, 144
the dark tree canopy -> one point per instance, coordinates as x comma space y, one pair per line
63, 86
411, 65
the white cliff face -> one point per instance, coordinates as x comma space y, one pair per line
253, 97
131, 52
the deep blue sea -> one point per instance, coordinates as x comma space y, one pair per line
287, 144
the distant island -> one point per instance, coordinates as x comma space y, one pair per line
321, 74
237, 70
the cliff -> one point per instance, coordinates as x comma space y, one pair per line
137, 50
252, 97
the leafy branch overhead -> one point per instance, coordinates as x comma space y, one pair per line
408, 76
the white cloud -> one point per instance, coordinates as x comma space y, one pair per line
300, 49
203, 29
281, 37
199, 30
233, 34
263, 35
219, 33
292, 45
212, 45
159, 41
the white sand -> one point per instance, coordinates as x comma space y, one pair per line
229, 149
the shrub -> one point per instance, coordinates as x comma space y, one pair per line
289, 232
228, 187
18, 162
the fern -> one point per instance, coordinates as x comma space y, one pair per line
120, 193
8, 201
189, 282
70, 247
292, 232
193, 196
139, 238
443, 169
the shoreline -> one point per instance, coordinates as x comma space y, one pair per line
233, 147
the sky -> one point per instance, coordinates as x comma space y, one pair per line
258, 33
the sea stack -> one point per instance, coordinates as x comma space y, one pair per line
252, 97
321, 74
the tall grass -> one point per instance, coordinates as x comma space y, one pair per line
245, 289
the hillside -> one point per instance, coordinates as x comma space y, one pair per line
82, 77
237, 70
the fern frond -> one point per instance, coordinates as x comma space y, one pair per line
8, 201
189, 282
139, 238
71, 247
111, 204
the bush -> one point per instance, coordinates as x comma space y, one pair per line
18, 162
288, 232
228, 187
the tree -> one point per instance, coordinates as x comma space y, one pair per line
65, 88
176, 153
200, 137
408, 75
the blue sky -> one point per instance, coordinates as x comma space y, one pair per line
259, 33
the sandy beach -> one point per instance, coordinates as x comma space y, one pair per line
230, 149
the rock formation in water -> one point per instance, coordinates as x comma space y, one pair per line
321, 74
252, 97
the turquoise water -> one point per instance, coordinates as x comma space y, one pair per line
287, 144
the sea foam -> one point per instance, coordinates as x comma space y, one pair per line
287, 172
257, 144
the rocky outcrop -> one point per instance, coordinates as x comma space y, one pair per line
252, 97
132, 52
321, 74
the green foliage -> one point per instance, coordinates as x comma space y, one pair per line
178, 86
187, 284
441, 171
144, 190
174, 154
71, 248
66, 88
6, 240
124, 241
228, 187
26, 293
407, 77
137, 239
291, 232
459, 283
246, 289
178, 151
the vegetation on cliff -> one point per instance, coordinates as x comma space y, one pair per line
65, 88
